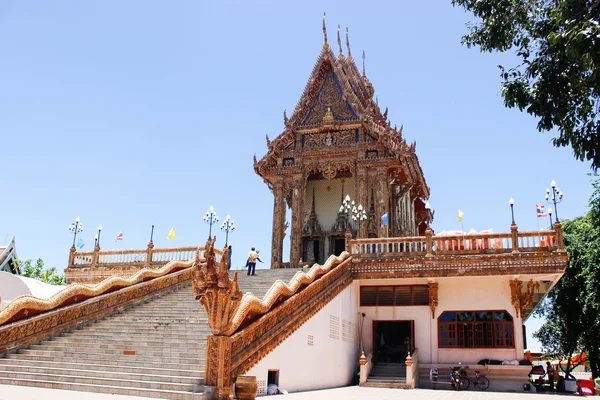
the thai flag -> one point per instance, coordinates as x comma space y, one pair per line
540, 211
119, 236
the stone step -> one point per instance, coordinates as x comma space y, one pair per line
143, 392
163, 334
117, 348
158, 369
42, 369
180, 387
125, 340
55, 355
147, 331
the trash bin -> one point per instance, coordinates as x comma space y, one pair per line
570, 385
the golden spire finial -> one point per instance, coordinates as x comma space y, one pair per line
340, 43
348, 44
324, 28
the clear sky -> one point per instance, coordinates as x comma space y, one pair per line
134, 113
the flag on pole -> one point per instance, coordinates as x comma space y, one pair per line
80, 243
171, 234
119, 236
460, 215
541, 212
384, 219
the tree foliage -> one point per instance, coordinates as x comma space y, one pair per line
558, 80
572, 309
36, 270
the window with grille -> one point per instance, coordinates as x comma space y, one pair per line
406, 295
475, 329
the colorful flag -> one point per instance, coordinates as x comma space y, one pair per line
119, 236
460, 215
80, 243
384, 219
171, 234
541, 212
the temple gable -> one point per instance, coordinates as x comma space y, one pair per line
329, 102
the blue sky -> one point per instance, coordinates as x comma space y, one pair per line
129, 114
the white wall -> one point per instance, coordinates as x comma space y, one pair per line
331, 360
454, 294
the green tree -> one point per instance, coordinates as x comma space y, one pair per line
36, 271
558, 79
572, 308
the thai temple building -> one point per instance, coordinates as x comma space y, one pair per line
8, 258
369, 296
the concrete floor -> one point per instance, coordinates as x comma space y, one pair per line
8, 392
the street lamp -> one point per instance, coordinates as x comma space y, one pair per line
228, 226
557, 196
210, 218
358, 215
98, 236
550, 215
511, 203
76, 228
95, 240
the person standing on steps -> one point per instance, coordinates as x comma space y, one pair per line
251, 263
229, 258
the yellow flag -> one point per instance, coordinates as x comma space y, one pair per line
171, 234
460, 215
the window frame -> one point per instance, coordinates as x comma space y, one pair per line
476, 334
393, 287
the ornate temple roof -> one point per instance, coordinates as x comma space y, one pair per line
337, 97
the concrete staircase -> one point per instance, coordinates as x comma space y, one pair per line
156, 349
387, 375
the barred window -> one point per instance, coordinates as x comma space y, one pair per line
406, 295
475, 329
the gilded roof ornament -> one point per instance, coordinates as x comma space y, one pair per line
340, 43
324, 28
348, 45
268, 140
285, 118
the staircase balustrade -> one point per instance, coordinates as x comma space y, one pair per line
479, 243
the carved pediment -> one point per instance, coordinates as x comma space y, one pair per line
329, 102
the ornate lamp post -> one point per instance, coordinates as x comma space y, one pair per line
227, 226
557, 196
97, 237
358, 215
550, 215
76, 228
511, 203
210, 218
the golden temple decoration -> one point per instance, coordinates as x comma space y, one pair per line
324, 28
521, 301
348, 45
433, 297
340, 43
527, 297
27, 306
219, 295
515, 295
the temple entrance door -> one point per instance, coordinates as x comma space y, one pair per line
392, 340
339, 245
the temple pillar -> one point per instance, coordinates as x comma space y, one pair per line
362, 197
382, 202
278, 224
297, 220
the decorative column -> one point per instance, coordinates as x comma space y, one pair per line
72, 256
149, 253
297, 220
278, 224
362, 196
382, 200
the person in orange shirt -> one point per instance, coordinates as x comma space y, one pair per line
251, 263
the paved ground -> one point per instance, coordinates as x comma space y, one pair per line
8, 392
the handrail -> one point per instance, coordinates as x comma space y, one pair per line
479, 243
135, 257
